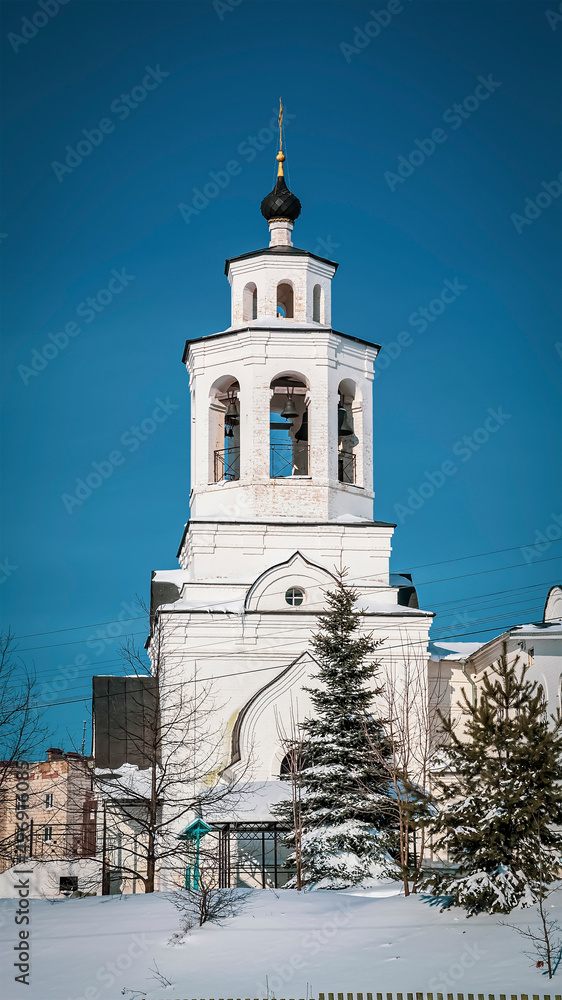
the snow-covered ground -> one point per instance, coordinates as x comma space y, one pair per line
104, 948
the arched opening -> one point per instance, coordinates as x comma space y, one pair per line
288, 427
347, 436
224, 430
285, 300
250, 302
317, 304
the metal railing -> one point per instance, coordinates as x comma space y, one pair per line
430, 996
286, 460
227, 465
46, 841
346, 467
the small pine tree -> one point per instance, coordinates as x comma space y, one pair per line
345, 810
502, 798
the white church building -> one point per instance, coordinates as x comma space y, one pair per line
281, 501
281, 498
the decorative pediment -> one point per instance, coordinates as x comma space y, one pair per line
269, 591
272, 712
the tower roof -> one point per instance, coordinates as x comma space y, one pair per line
280, 204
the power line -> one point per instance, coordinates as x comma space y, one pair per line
479, 555
268, 635
219, 604
242, 673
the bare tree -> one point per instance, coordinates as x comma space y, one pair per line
205, 900
22, 725
410, 699
22, 731
291, 743
180, 740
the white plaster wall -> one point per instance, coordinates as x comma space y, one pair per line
255, 357
268, 271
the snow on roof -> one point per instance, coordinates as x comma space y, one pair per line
232, 606
253, 802
372, 604
452, 650
177, 576
125, 779
553, 627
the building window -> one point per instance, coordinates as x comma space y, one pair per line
294, 596
22, 801
531, 656
285, 300
316, 302
47, 834
288, 428
250, 301
49, 800
68, 884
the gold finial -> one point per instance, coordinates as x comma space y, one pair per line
280, 155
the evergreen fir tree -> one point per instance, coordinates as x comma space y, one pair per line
503, 799
345, 810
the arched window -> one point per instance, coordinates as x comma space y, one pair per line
224, 430
316, 303
347, 438
250, 301
288, 428
285, 300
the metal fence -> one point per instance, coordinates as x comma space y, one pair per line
346, 467
48, 842
227, 465
288, 460
252, 855
418, 996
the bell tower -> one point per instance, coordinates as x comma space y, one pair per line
281, 496
281, 402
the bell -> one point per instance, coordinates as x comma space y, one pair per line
289, 410
302, 433
231, 410
344, 426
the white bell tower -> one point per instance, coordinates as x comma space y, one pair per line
281, 402
281, 496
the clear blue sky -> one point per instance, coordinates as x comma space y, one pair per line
350, 116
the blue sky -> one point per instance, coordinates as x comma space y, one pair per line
356, 101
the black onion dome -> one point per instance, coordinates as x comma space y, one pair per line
280, 203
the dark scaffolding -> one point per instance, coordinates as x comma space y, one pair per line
253, 854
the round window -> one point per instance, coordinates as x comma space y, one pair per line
294, 596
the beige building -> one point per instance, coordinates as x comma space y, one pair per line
48, 815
